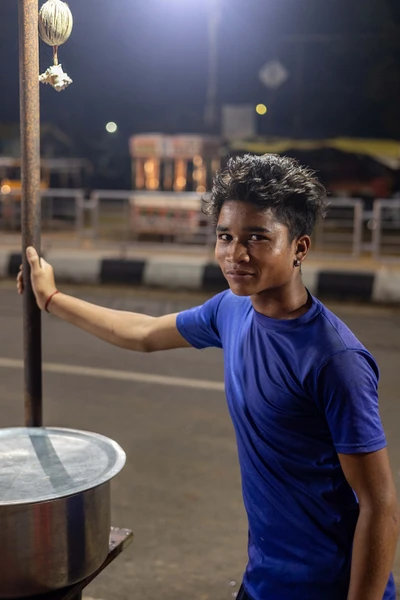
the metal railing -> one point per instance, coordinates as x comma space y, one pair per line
128, 216
121, 219
341, 230
386, 229
62, 213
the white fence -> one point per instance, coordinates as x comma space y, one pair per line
386, 229
61, 210
127, 216
120, 218
341, 230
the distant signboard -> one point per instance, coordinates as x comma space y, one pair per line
173, 146
147, 146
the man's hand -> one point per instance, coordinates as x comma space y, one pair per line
42, 278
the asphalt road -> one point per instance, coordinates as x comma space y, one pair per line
180, 490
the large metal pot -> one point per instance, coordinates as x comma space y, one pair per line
54, 507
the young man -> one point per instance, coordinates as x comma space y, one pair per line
301, 389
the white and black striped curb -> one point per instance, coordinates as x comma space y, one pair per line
380, 286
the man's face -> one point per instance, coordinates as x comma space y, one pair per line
253, 249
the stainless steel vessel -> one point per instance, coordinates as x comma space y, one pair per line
54, 507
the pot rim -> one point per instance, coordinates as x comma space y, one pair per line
116, 455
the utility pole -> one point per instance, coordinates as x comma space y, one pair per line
211, 109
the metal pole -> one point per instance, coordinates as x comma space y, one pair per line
377, 230
298, 116
357, 228
210, 111
30, 216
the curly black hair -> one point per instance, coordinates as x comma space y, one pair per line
291, 191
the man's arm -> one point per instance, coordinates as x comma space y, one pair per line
377, 529
132, 331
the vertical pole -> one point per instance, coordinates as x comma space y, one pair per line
377, 214
210, 111
300, 60
30, 209
358, 223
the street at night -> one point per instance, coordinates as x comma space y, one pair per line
199, 145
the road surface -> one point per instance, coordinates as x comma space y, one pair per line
180, 490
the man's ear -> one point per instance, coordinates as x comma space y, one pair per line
302, 247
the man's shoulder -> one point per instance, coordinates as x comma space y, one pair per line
328, 336
228, 299
334, 332
333, 349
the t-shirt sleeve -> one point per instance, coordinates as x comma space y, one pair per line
199, 325
346, 389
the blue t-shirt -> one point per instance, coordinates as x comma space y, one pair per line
299, 392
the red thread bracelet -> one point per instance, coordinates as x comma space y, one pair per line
49, 299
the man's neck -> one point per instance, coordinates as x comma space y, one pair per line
283, 303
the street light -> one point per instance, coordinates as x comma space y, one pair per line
214, 19
214, 10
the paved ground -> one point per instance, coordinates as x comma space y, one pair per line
180, 490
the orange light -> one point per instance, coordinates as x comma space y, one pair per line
197, 161
153, 184
181, 182
149, 166
180, 174
5, 189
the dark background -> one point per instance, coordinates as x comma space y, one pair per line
144, 65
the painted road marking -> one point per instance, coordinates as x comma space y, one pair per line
10, 363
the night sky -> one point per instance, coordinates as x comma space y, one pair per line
143, 64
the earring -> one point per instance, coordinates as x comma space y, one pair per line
297, 263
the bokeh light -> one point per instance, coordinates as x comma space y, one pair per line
197, 161
261, 109
111, 127
181, 182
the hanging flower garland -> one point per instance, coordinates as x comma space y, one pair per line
55, 27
